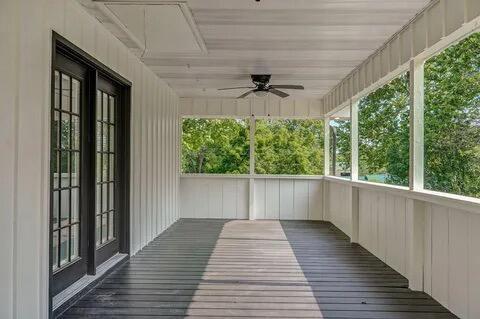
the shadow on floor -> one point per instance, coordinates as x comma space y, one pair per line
160, 280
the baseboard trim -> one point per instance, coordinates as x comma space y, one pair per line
66, 298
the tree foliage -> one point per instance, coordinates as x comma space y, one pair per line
216, 146
221, 146
383, 124
340, 147
292, 147
452, 119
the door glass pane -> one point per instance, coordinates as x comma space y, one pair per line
105, 167
104, 197
105, 138
99, 199
55, 250
99, 105
112, 167
55, 211
111, 221
112, 138
99, 167
65, 131
111, 196
75, 96
65, 207
104, 227
75, 169
112, 109
105, 107
64, 234
75, 132
75, 242
64, 169
98, 229
65, 92
75, 205
56, 103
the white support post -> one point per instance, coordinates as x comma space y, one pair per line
415, 243
354, 140
251, 194
326, 146
354, 197
416, 124
326, 169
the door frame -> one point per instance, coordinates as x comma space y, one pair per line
95, 69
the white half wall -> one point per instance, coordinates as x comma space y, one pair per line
25, 33
294, 198
447, 251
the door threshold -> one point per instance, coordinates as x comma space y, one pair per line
66, 298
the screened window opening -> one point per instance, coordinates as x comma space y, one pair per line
290, 147
66, 170
340, 145
215, 146
452, 119
383, 126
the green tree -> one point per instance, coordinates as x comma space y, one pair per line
452, 119
292, 147
383, 122
217, 146
340, 147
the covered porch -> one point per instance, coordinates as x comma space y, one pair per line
240, 159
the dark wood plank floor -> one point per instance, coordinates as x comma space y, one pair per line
255, 269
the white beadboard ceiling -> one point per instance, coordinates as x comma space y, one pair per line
219, 43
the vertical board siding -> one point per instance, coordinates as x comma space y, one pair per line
451, 264
25, 143
382, 227
338, 203
452, 269
214, 198
270, 106
295, 199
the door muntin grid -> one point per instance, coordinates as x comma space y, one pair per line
66, 170
105, 211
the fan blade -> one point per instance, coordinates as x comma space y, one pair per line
277, 92
291, 87
238, 87
245, 94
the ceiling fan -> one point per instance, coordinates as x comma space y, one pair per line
262, 87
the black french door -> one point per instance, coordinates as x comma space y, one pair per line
89, 177
68, 214
106, 214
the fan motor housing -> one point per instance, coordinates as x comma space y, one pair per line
261, 79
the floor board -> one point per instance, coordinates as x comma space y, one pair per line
255, 269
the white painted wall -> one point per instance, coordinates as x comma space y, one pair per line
294, 198
211, 197
270, 106
25, 63
451, 238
